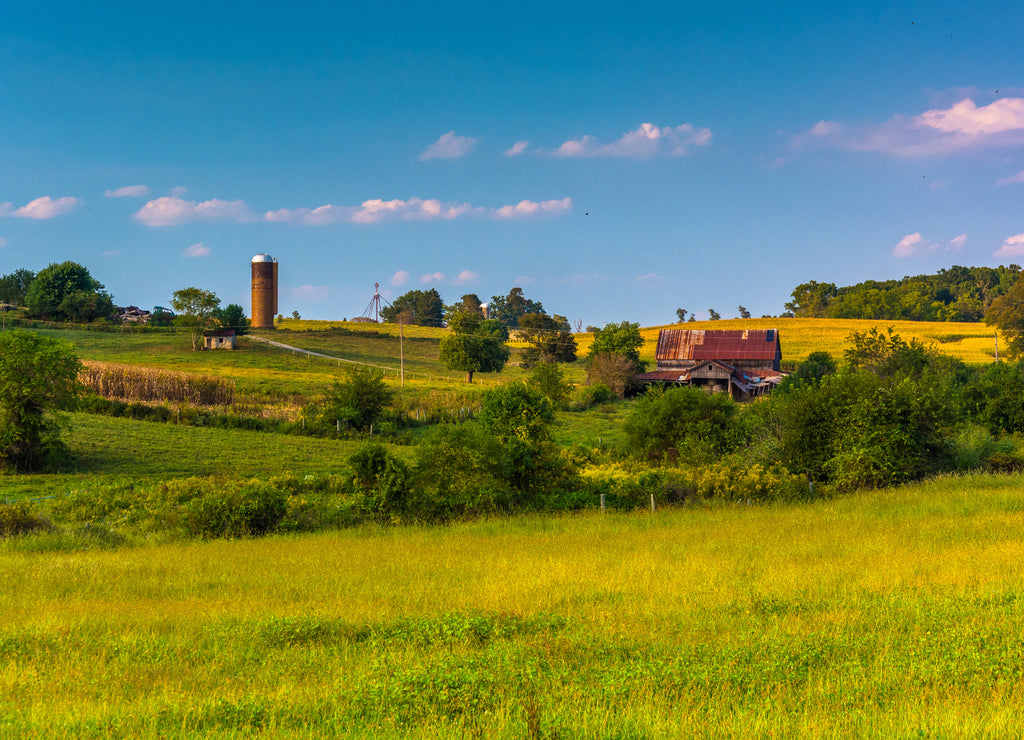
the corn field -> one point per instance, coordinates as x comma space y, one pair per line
129, 383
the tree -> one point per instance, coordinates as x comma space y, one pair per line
469, 303
811, 299
548, 378
681, 314
509, 309
425, 305
232, 316
14, 286
550, 338
744, 313
713, 315
474, 344
67, 292
1006, 313
195, 309
38, 375
360, 399
618, 339
697, 427
296, 315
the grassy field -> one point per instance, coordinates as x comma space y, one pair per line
888, 614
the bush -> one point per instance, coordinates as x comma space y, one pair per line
382, 479
683, 423
359, 400
459, 473
18, 518
250, 509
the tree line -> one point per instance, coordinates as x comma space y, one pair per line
956, 293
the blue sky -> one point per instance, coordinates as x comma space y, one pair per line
615, 161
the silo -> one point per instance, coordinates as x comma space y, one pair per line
264, 291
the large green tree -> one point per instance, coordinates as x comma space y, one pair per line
38, 376
232, 316
14, 286
1006, 313
511, 308
196, 310
426, 307
550, 339
474, 344
67, 292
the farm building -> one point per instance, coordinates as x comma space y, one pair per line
743, 362
222, 339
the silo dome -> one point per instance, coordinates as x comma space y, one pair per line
263, 257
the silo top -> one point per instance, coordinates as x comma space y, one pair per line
264, 257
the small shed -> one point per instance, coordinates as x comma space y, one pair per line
222, 339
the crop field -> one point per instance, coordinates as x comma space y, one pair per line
887, 614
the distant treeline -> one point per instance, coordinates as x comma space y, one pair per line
953, 294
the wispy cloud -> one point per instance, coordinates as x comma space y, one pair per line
1012, 179
648, 277
179, 191
1013, 246
466, 276
315, 293
171, 211
197, 250
3, 242
41, 208
526, 208
645, 141
516, 149
434, 277
961, 127
449, 146
129, 191
914, 244
400, 278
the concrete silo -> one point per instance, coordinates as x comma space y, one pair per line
264, 291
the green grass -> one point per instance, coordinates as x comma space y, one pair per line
888, 614
105, 449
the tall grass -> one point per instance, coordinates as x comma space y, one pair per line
130, 383
894, 614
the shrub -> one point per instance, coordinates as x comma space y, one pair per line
249, 509
18, 518
459, 473
683, 423
382, 479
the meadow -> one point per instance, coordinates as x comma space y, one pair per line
885, 613
891, 614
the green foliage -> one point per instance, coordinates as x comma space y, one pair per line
618, 339
549, 379
383, 479
426, 307
954, 294
459, 473
359, 400
38, 375
550, 337
995, 399
474, 344
508, 310
196, 309
249, 509
232, 316
1007, 314
67, 292
713, 315
14, 286
683, 423
19, 518
887, 355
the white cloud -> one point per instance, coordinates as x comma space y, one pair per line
449, 146
464, 277
170, 211
523, 280
645, 141
179, 191
1012, 247
1012, 179
316, 293
957, 242
400, 278
516, 149
526, 208
110, 253
129, 191
3, 242
962, 127
907, 246
41, 208
434, 277
646, 278
197, 250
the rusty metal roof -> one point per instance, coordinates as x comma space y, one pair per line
717, 344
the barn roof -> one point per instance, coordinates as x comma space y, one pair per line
717, 344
